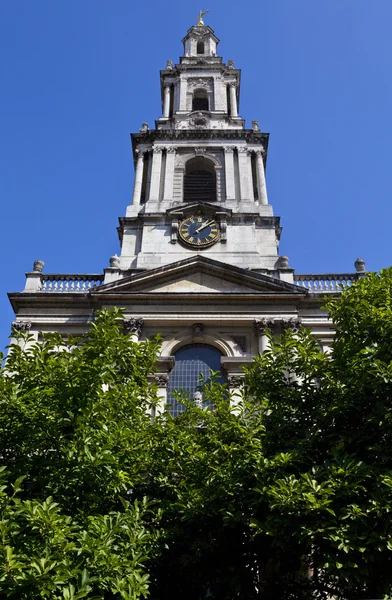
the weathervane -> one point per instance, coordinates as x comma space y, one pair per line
200, 17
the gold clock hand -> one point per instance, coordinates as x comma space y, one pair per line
202, 227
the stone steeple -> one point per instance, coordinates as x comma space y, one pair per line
200, 160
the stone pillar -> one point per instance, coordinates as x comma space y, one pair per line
134, 327
166, 101
183, 94
233, 100
156, 173
245, 173
162, 383
137, 187
169, 175
229, 172
261, 185
260, 327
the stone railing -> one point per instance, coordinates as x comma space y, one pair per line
324, 283
69, 283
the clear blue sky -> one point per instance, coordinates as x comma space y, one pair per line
77, 76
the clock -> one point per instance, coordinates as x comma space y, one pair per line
199, 232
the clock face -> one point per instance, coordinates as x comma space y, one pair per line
199, 231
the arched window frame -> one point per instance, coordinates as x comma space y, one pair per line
200, 47
200, 100
189, 379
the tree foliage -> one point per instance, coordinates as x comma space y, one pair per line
283, 492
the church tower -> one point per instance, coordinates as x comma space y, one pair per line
199, 260
200, 186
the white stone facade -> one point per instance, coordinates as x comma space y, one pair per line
233, 289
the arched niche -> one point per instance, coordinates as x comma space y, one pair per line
200, 180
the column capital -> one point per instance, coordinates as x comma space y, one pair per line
228, 149
260, 326
293, 323
235, 381
157, 149
171, 149
139, 153
21, 325
259, 152
242, 149
134, 325
233, 85
161, 381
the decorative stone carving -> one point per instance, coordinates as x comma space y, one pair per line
134, 325
293, 323
198, 399
169, 65
198, 82
240, 340
21, 325
200, 151
114, 261
38, 266
162, 381
360, 265
171, 149
242, 149
255, 125
283, 262
230, 64
157, 149
261, 325
198, 329
144, 128
228, 149
199, 120
235, 381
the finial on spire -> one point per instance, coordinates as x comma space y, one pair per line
200, 17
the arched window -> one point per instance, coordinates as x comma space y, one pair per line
200, 48
200, 100
200, 180
191, 362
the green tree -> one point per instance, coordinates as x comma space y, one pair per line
285, 493
73, 442
289, 495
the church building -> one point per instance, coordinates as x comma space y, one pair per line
199, 258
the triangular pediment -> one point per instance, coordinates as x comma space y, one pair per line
200, 275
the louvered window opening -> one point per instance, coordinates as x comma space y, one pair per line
200, 185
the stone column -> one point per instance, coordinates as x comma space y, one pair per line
134, 327
260, 327
261, 185
169, 175
137, 187
245, 173
229, 172
233, 100
162, 383
166, 101
156, 173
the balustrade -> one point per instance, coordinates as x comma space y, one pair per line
70, 283
325, 283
